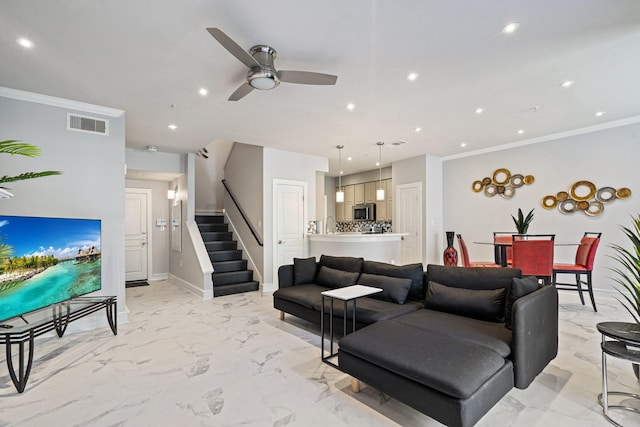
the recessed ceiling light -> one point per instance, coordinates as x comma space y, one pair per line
172, 126
351, 106
479, 110
567, 83
599, 114
510, 28
26, 43
202, 91
521, 131
464, 144
341, 172
349, 159
377, 163
412, 76
418, 129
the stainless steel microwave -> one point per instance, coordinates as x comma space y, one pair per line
366, 212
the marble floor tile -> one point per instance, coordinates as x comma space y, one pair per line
231, 361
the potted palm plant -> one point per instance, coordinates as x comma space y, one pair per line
522, 222
14, 147
627, 274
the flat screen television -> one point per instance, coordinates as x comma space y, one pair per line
44, 261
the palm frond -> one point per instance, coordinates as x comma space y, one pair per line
14, 146
627, 274
28, 175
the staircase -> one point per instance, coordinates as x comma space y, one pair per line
230, 274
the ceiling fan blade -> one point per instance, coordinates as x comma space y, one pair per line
241, 92
307, 78
233, 47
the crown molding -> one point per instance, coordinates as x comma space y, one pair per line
547, 138
59, 102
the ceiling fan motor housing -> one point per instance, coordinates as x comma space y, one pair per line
266, 76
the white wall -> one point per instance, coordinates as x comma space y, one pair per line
209, 175
606, 158
91, 184
280, 164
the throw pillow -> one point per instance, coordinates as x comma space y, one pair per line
344, 263
518, 289
332, 278
394, 289
415, 272
304, 270
477, 304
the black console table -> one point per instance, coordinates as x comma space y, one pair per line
24, 329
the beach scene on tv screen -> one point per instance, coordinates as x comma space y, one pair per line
46, 260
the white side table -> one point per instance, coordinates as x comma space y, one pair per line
346, 294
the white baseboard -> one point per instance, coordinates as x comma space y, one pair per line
268, 288
159, 276
190, 287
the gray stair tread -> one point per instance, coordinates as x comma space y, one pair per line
235, 288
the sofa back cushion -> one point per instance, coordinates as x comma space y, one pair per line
304, 270
476, 278
518, 289
394, 289
344, 263
415, 272
485, 304
332, 278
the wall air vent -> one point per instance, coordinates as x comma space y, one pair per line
87, 124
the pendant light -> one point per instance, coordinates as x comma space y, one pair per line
380, 190
339, 193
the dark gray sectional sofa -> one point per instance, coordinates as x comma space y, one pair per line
457, 343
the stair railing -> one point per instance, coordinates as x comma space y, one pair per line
244, 216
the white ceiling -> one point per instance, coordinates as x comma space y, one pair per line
144, 55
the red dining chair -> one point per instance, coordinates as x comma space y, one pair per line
465, 257
585, 255
503, 237
533, 254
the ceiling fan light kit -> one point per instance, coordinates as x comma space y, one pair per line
262, 74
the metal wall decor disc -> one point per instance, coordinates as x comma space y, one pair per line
549, 202
517, 180
574, 187
595, 208
486, 180
501, 171
606, 194
583, 206
477, 186
568, 206
529, 179
500, 189
562, 196
623, 193
508, 192
490, 190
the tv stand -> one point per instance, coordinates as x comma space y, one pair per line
55, 317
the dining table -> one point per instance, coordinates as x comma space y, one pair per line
500, 249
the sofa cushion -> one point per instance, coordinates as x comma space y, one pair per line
518, 289
415, 272
304, 270
490, 335
343, 263
478, 304
369, 310
394, 289
472, 278
332, 278
305, 295
454, 367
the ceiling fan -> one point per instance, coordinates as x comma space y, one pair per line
262, 73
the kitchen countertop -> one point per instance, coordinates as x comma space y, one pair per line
356, 237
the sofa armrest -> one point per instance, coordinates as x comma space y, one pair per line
285, 276
535, 334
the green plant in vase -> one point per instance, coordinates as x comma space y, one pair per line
628, 272
522, 223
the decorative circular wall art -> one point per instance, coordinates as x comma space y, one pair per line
502, 183
583, 196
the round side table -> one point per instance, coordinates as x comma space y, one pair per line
623, 343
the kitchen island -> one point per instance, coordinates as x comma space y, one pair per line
383, 247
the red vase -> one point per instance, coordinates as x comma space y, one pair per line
450, 254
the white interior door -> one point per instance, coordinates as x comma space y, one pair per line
408, 219
289, 219
136, 234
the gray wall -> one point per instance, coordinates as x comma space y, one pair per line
92, 181
606, 158
209, 174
